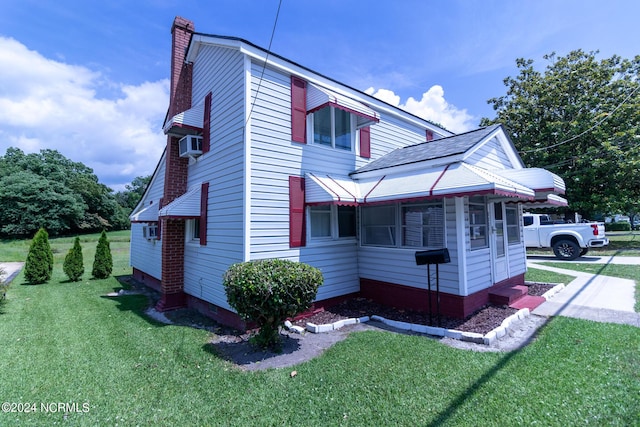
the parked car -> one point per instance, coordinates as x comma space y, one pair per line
568, 240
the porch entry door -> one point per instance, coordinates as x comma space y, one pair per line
498, 242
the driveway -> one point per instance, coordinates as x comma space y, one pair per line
590, 296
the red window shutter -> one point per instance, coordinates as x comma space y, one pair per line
204, 207
160, 204
365, 142
297, 229
298, 110
429, 135
206, 124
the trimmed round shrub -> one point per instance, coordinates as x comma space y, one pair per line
73, 265
39, 264
103, 261
269, 291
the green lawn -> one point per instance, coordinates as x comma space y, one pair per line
68, 343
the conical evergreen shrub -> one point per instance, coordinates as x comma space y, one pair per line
73, 265
39, 264
103, 262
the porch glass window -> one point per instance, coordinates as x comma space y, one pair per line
423, 225
379, 225
478, 223
415, 225
332, 127
513, 225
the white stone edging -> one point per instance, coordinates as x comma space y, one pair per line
487, 339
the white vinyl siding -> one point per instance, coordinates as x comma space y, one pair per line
146, 255
274, 157
221, 72
490, 156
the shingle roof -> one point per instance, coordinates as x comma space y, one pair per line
439, 148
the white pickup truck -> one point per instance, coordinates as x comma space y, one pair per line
568, 241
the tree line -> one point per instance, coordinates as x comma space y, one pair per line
47, 190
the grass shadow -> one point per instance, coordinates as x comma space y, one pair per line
457, 402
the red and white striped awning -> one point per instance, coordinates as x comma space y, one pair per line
319, 97
323, 188
538, 179
455, 179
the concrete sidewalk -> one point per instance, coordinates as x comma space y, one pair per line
11, 270
592, 297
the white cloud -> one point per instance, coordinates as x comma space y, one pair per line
49, 104
432, 107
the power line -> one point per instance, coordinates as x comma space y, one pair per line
588, 130
264, 66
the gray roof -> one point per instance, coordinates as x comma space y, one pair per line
439, 148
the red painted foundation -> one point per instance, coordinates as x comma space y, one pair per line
147, 280
410, 298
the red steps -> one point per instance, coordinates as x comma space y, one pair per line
515, 297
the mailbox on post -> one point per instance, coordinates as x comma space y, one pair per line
437, 257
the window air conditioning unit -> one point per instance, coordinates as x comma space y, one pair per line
150, 232
190, 146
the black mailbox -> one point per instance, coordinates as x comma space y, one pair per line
435, 256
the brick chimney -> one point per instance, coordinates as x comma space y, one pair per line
176, 169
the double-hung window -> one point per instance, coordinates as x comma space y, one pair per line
330, 222
332, 127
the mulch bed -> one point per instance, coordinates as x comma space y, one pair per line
481, 322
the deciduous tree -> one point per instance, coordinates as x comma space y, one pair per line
580, 118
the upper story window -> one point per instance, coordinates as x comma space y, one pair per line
332, 127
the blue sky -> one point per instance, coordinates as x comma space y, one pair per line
90, 78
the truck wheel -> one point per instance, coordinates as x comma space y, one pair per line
566, 249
